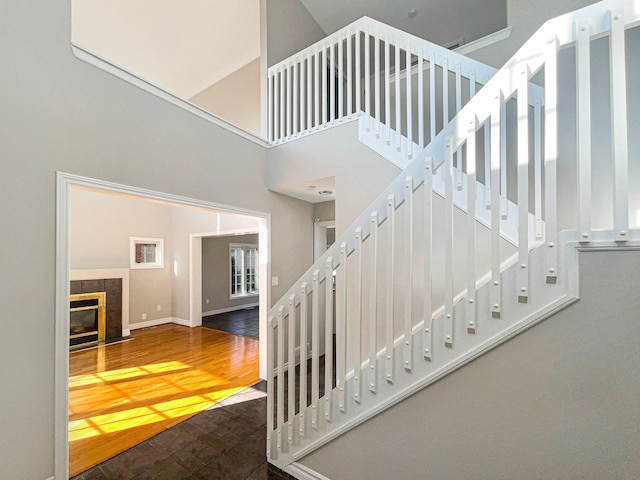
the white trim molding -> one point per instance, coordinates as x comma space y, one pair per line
302, 472
129, 77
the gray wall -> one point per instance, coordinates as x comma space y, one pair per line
324, 211
524, 17
290, 28
61, 114
215, 272
560, 401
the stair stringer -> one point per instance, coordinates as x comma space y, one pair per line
545, 299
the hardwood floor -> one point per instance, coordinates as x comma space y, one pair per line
123, 394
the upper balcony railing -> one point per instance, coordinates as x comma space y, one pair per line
409, 88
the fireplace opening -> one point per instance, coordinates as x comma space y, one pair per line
87, 319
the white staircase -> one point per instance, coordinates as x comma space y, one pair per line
442, 267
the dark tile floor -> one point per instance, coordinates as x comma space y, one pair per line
226, 442
241, 322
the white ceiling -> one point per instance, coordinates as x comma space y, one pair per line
439, 21
309, 190
182, 47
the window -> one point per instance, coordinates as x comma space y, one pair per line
147, 252
244, 270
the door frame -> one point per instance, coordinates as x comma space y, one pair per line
64, 183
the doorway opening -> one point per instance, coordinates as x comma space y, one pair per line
178, 307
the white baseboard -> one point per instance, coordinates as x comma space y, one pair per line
180, 321
50, 478
154, 323
230, 309
126, 332
150, 323
303, 473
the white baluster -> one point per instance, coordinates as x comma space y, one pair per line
271, 380
270, 111
448, 242
496, 144
328, 340
409, 108
280, 395
303, 358
550, 157
471, 226
583, 115
315, 348
316, 88
387, 92
325, 96
445, 93
428, 308
309, 94
373, 303
283, 112
537, 138
367, 78
377, 74
289, 99
333, 80
357, 315
523, 185
358, 67
303, 96
349, 75
619, 127
420, 99
341, 334
408, 258
340, 79
296, 98
398, 99
458, 171
503, 162
389, 287
276, 106
291, 370
432, 96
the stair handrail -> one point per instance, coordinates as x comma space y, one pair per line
484, 110
560, 31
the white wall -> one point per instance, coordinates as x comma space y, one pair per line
216, 280
559, 401
61, 114
236, 98
334, 152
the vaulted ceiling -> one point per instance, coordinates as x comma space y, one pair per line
185, 47
182, 47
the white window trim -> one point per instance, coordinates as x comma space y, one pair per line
159, 263
243, 295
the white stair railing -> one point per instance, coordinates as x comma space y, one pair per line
419, 286
363, 68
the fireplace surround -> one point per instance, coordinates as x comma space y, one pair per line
87, 319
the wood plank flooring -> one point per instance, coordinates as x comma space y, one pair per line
123, 394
